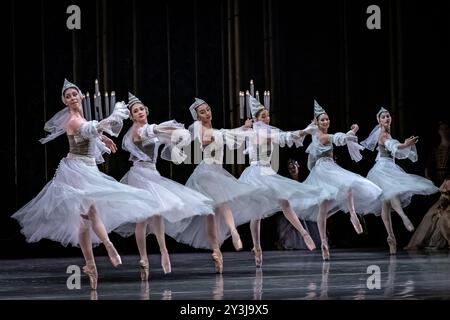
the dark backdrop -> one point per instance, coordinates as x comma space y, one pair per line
167, 52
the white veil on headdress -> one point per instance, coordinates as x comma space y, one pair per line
371, 141
56, 126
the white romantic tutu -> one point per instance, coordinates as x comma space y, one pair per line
245, 201
177, 201
55, 212
336, 182
300, 196
395, 182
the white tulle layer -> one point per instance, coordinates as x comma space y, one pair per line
337, 183
395, 182
55, 212
177, 201
300, 196
245, 201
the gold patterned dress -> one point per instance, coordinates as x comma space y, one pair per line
434, 230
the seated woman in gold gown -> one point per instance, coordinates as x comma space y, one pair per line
434, 230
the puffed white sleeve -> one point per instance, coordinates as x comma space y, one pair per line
404, 153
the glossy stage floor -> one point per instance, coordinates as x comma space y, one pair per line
350, 275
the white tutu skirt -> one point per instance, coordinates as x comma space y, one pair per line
55, 213
300, 196
245, 201
395, 182
177, 201
337, 182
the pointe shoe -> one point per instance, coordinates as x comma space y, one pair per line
165, 262
91, 272
258, 257
113, 254
144, 269
408, 224
218, 260
309, 241
356, 224
325, 252
237, 243
392, 245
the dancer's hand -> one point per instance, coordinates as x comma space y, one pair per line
248, 123
354, 128
109, 143
411, 140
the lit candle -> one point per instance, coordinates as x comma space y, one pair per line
252, 88
100, 109
96, 88
106, 105
267, 105
257, 95
249, 113
88, 115
97, 99
113, 102
95, 106
265, 99
241, 104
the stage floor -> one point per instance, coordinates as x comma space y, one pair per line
351, 274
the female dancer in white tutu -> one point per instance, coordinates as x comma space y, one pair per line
81, 205
397, 185
287, 195
235, 202
143, 141
347, 191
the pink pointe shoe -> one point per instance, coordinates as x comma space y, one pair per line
356, 224
408, 224
144, 269
392, 245
325, 252
258, 257
165, 262
113, 254
91, 272
237, 243
308, 241
218, 260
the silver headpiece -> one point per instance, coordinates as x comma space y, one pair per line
193, 108
255, 106
132, 99
380, 112
318, 110
68, 85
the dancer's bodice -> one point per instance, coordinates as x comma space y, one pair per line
384, 152
151, 150
81, 146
